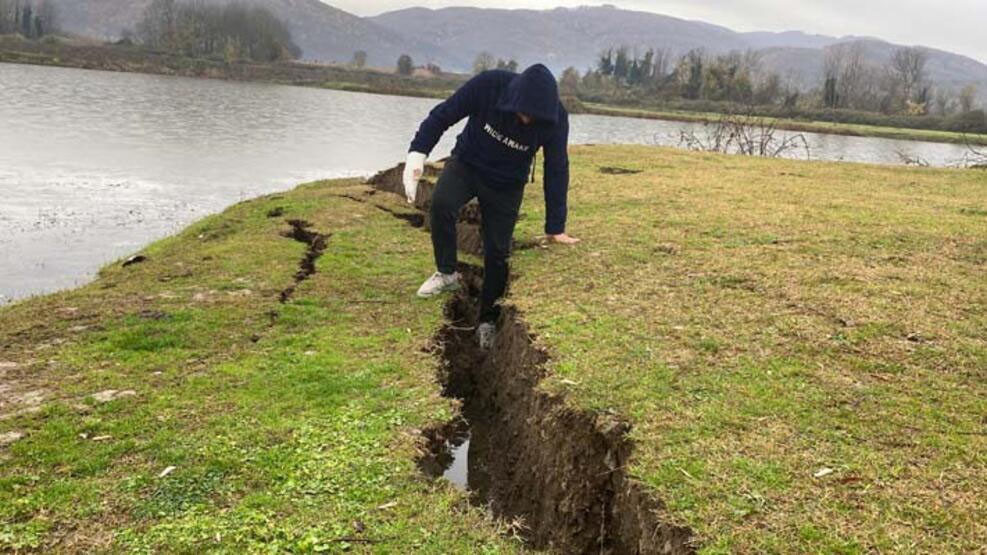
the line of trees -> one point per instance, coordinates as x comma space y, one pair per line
232, 32
852, 87
486, 61
29, 18
902, 86
736, 77
406, 67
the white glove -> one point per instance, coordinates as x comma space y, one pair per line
413, 170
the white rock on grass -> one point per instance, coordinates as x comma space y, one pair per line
166, 471
112, 395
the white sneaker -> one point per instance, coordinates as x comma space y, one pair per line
485, 335
439, 283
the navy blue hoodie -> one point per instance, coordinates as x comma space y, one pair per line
497, 144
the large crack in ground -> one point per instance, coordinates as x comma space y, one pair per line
556, 472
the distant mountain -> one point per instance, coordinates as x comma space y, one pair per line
789, 39
322, 32
561, 37
565, 37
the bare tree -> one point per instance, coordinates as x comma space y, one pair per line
662, 64
229, 32
158, 27
6, 17
31, 19
853, 74
745, 134
909, 159
945, 102
484, 61
908, 68
975, 157
569, 82
691, 74
406, 66
507, 65
47, 18
359, 59
968, 98
845, 74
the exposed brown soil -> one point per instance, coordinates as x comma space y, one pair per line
611, 170
534, 459
469, 234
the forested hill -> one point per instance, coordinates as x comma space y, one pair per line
322, 32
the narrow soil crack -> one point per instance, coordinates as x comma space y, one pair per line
414, 219
316, 243
556, 472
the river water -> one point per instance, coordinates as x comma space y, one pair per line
94, 165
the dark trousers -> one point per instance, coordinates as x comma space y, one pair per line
458, 184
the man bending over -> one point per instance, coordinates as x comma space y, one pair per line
510, 116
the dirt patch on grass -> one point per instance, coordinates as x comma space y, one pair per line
613, 170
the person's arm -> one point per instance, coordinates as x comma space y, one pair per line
461, 104
557, 183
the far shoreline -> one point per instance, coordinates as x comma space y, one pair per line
72, 53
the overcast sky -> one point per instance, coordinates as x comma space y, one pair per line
954, 25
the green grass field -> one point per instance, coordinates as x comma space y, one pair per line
800, 347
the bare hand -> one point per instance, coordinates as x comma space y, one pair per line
563, 239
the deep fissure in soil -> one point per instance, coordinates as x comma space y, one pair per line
558, 472
533, 458
316, 242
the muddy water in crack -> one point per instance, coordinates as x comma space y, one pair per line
94, 165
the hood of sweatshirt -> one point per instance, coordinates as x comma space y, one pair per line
535, 93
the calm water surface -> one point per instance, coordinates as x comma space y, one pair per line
94, 165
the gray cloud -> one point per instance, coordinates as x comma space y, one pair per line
954, 25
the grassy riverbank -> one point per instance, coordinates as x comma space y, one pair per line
289, 426
799, 349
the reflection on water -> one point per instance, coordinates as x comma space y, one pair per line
93, 165
458, 471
